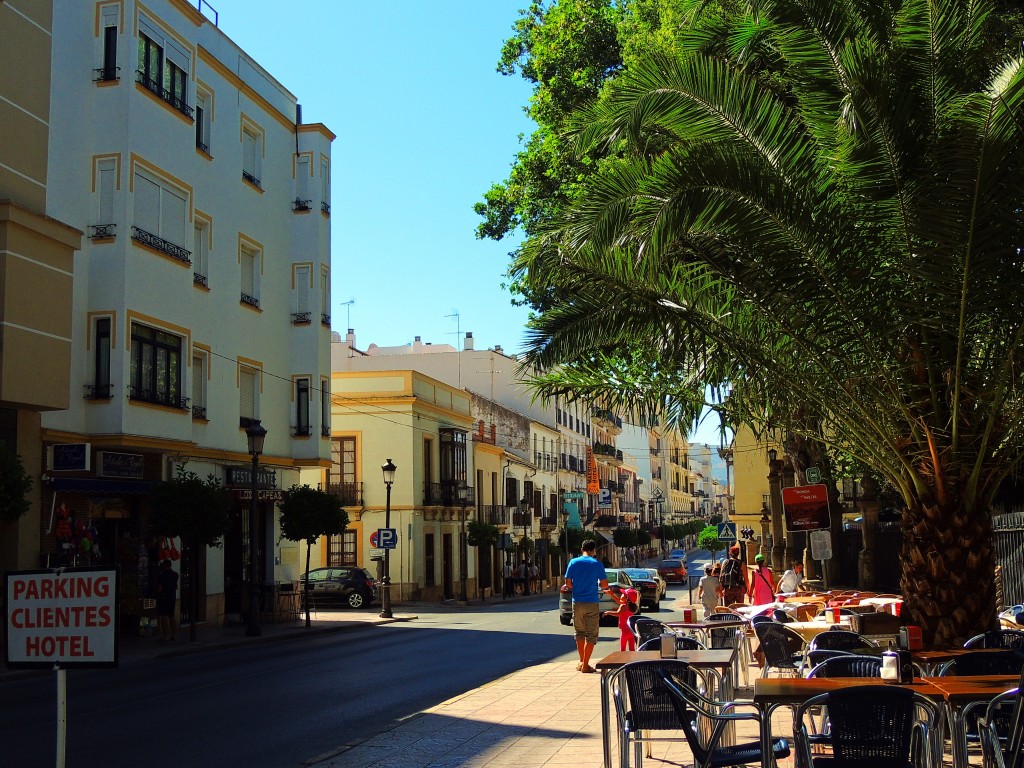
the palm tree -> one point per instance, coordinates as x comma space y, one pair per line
828, 222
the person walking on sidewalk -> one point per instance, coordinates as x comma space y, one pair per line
166, 592
762, 583
734, 577
709, 590
587, 579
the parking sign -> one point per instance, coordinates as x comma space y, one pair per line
387, 538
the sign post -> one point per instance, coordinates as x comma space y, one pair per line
61, 618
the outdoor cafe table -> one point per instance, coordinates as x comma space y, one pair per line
960, 690
770, 693
741, 662
809, 630
719, 662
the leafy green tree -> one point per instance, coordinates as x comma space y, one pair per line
624, 537
307, 514
481, 534
14, 486
196, 510
822, 218
708, 539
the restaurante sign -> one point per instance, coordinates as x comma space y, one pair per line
806, 507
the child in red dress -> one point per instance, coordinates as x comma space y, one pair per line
628, 606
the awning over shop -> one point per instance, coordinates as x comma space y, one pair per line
606, 536
98, 486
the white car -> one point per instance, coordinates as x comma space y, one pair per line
662, 584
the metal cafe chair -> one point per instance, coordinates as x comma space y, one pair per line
683, 643
872, 725
646, 628
1001, 730
783, 648
998, 638
690, 708
839, 640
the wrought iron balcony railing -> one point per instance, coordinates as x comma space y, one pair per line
97, 392
99, 231
252, 301
301, 318
446, 495
325, 208
159, 244
154, 87
351, 494
199, 279
325, 431
252, 179
199, 412
301, 205
301, 431
495, 514
325, 319
144, 395
202, 147
106, 74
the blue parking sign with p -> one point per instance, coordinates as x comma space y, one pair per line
387, 538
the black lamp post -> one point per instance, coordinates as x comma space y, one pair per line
565, 536
255, 434
524, 509
463, 491
659, 501
385, 596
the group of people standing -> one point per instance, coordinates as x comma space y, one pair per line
521, 579
732, 582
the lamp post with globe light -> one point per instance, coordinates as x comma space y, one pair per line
255, 435
385, 597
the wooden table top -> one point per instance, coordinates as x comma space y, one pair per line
796, 690
732, 621
937, 656
714, 659
973, 687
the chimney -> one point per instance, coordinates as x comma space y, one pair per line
468, 344
350, 337
498, 349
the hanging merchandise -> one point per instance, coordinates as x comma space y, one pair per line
174, 553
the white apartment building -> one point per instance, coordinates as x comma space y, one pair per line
201, 293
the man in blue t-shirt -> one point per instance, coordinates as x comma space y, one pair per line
586, 577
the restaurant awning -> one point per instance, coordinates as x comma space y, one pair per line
99, 486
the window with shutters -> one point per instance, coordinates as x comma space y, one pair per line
100, 388
325, 186
248, 395
250, 261
252, 153
201, 251
156, 367
110, 18
160, 215
204, 111
303, 171
453, 455
200, 376
301, 407
325, 296
106, 184
302, 282
164, 65
325, 407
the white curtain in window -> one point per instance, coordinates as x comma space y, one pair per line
147, 205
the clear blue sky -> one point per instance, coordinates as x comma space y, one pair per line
424, 125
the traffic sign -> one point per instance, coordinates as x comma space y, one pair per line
813, 475
727, 531
805, 507
387, 538
604, 499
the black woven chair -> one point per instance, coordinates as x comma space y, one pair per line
814, 658
727, 637
646, 628
984, 663
848, 665
683, 643
688, 705
783, 648
642, 704
1001, 729
870, 725
998, 638
839, 640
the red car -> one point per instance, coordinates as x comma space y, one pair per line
673, 570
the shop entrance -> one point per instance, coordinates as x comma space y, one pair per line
236, 556
447, 569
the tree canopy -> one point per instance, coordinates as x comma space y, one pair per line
813, 206
14, 486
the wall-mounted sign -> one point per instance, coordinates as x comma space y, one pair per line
262, 494
572, 495
593, 480
69, 457
265, 478
124, 465
806, 507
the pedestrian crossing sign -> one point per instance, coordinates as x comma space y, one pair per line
727, 532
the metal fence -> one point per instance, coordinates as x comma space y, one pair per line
1008, 537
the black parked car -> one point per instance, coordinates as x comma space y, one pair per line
356, 587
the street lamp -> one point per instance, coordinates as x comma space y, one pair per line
659, 501
255, 435
565, 535
463, 492
385, 595
524, 509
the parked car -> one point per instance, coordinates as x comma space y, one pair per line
662, 584
644, 583
353, 586
677, 554
673, 570
618, 580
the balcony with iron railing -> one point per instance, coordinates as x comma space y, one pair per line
446, 494
521, 519
98, 392
548, 520
159, 244
156, 397
252, 179
302, 318
495, 514
300, 205
199, 412
106, 74
325, 319
101, 231
303, 430
351, 494
325, 208
252, 301
607, 420
158, 90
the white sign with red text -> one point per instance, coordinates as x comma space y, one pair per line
63, 617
